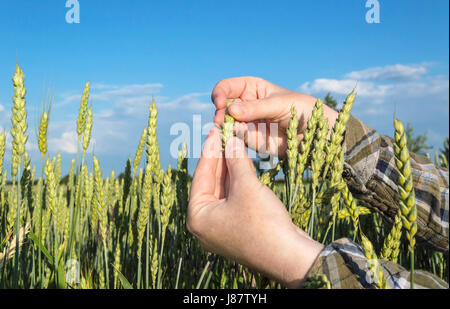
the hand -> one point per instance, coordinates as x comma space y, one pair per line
260, 102
234, 215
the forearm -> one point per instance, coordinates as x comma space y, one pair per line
372, 176
303, 255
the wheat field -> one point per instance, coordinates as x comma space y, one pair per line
128, 230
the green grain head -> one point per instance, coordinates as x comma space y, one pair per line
407, 200
167, 199
42, 136
18, 121
227, 126
81, 120
140, 150
374, 266
292, 145
87, 130
144, 208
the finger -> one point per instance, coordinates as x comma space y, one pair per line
204, 180
262, 137
233, 88
221, 173
268, 108
220, 116
240, 167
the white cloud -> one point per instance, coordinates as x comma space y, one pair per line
111, 92
415, 95
189, 101
134, 99
68, 99
344, 86
129, 95
3, 118
397, 72
120, 114
384, 84
378, 93
372, 111
66, 143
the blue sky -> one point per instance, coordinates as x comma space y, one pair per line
178, 50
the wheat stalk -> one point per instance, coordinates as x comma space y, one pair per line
10, 250
51, 185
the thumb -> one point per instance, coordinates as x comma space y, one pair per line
238, 163
254, 110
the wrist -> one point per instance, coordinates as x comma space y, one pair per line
304, 252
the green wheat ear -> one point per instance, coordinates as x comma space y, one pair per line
18, 120
391, 245
301, 205
87, 130
319, 281
140, 151
407, 200
143, 213
152, 143
42, 136
375, 269
292, 153
337, 134
81, 120
227, 126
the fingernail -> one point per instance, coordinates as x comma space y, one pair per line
236, 109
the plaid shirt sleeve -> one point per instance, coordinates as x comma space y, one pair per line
371, 175
342, 265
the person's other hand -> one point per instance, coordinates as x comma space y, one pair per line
234, 215
259, 103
